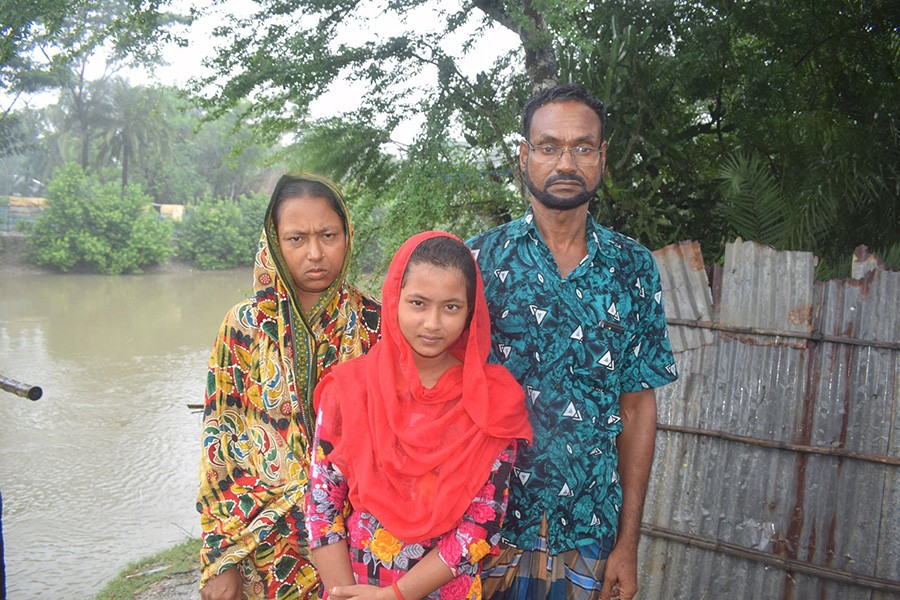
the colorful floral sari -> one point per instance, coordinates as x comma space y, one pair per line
258, 420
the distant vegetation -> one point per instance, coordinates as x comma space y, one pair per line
96, 225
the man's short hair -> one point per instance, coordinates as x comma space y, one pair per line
562, 93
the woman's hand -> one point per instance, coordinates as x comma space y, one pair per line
227, 585
361, 592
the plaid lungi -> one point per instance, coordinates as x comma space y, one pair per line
517, 574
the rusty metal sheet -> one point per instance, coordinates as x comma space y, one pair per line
839, 516
686, 293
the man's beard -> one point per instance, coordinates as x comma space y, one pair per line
551, 200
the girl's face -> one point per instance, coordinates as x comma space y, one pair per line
313, 244
433, 310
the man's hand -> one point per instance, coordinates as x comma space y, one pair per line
620, 576
227, 585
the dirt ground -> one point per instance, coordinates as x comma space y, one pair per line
179, 586
11, 262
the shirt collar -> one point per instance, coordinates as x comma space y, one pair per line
599, 239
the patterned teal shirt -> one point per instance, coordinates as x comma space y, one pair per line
575, 344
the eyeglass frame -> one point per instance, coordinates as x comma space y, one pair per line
562, 150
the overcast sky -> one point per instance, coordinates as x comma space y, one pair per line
185, 63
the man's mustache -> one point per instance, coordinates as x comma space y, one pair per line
565, 177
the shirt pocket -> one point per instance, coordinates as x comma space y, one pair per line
605, 345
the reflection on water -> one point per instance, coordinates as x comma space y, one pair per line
102, 469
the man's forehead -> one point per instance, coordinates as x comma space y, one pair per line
564, 119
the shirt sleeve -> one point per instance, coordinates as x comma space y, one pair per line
327, 493
651, 363
463, 548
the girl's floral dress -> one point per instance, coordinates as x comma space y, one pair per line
377, 557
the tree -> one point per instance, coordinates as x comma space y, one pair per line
96, 226
46, 44
221, 233
689, 85
27, 167
823, 150
150, 136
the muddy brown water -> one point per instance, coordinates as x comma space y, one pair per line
101, 471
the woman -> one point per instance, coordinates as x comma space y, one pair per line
258, 422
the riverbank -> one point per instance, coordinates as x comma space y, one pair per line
12, 245
170, 575
12, 259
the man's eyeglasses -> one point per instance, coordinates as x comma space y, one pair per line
583, 156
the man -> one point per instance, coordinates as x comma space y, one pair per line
577, 316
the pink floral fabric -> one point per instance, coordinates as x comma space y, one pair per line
377, 557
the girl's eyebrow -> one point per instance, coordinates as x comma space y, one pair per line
424, 296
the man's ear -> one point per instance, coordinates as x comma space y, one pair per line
523, 154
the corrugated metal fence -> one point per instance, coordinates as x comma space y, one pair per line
16, 209
777, 473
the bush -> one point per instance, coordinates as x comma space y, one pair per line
221, 233
97, 226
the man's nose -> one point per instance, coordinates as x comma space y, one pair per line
566, 162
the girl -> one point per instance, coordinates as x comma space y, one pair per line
419, 435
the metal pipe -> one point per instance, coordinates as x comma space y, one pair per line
814, 336
786, 564
743, 439
32, 392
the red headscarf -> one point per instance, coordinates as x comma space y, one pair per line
415, 457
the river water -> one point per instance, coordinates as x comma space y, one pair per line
102, 470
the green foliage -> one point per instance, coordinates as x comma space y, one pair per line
98, 227
694, 91
754, 205
148, 136
771, 120
442, 191
40, 40
220, 233
46, 44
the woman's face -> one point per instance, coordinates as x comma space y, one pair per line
313, 244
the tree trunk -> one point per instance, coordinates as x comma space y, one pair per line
541, 65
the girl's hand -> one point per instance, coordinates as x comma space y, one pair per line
361, 592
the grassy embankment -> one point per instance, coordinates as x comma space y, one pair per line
138, 576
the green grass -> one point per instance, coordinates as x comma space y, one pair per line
138, 576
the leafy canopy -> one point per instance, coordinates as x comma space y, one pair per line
95, 226
221, 233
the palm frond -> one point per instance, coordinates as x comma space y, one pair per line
754, 205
